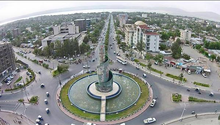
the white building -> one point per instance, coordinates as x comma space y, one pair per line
69, 28
141, 32
185, 35
61, 33
144, 15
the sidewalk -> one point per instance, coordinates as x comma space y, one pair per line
10, 118
202, 119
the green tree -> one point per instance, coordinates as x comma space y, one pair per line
213, 57
186, 56
148, 56
86, 39
140, 46
159, 58
163, 47
176, 50
149, 65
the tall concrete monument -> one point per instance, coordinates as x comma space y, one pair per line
105, 76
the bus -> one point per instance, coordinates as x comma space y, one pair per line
120, 60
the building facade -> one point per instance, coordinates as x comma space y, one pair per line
81, 23
138, 32
69, 28
185, 35
7, 58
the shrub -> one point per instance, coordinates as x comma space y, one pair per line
193, 99
19, 79
34, 99
177, 97
136, 60
201, 84
175, 77
142, 64
21, 100
157, 71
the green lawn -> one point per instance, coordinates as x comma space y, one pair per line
19, 79
140, 103
177, 97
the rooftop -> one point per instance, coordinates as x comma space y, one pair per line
140, 23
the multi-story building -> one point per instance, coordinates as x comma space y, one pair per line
140, 32
61, 33
122, 19
129, 33
185, 35
7, 58
81, 23
144, 15
69, 28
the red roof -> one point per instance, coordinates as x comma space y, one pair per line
144, 27
151, 33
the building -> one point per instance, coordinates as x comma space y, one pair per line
147, 36
129, 33
122, 19
62, 32
144, 15
185, 35
69, 28
7, 58
82, 23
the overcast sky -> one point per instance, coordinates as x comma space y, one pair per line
12, 9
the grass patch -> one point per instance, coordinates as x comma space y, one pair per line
201, 84
136, 60
142, 64
19, 79
21, 100
175, 77
157, 71
177, 97
140, 103
34, 99
193, 99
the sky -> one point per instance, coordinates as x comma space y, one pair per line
12, 9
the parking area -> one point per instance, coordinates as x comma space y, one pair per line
16, 79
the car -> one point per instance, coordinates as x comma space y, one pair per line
122, 124
9, 82
118, 54
39, 72
78, 55
19, 84
156, 63
137, 68
114, 52
28, 73
47, 110
149, 120
144, 75
46, 124
42, 85
40, 117
47, 94
86, 66
38, 121
199, 92
188, 90
93, 60
0, 95
153, 103
197, 89
211, 94
46, 101
193, 112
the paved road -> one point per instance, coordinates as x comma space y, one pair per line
57, 117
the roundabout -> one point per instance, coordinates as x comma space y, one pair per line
117, 108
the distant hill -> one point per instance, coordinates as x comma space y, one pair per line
173, 11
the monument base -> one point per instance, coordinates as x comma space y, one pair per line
94, 93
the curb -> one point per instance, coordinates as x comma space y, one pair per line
189, 116
7, 111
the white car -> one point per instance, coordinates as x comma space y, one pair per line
9, 82
149, 120
86, 66
153, 103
